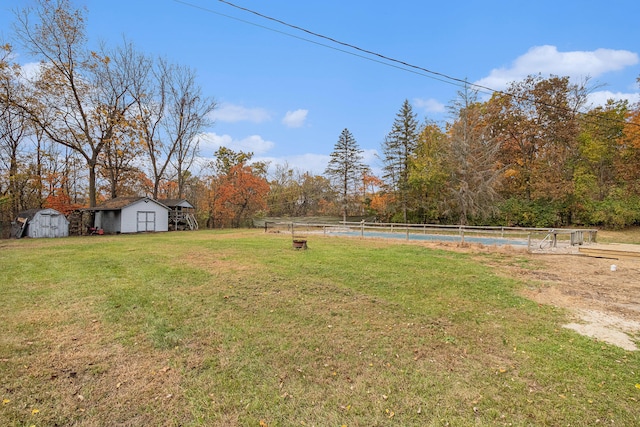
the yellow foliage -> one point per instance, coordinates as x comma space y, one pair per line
510, 173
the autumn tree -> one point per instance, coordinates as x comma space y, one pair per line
226, 158
232, 190
536, 121
119, 167
398, 147
629, 148
472, 155
428, 173
242, 193
171, 111
283, 190
383, 204
14, 130
79, 98
599, 141
559, 103
346, 168
371, 184
188, 115
316, 196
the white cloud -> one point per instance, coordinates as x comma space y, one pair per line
236, 113
548, 60
601, 97
210, 142
31, 70
295, 119
429, 105
309, 162
317, 163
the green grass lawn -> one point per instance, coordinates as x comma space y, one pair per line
236, 328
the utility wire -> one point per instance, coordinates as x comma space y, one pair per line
383, 59
440, 76
414, 71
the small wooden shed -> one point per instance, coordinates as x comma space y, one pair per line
41, 223
131, 215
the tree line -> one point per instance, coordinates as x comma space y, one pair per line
88, 125
534, 155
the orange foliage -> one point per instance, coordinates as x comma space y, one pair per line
383, 205
167, 189
58, 197
236, 196
371, 183
61, 202
632, 129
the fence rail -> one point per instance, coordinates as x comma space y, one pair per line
535, 239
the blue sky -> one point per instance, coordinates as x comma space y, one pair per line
287, 99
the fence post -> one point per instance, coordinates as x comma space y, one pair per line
362, 228
407, 232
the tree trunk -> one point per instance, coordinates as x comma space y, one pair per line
92, 184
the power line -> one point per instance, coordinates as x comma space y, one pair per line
439, 75
383, 59
264, 27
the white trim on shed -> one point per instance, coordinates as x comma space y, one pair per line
132, 215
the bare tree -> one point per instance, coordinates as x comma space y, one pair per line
472, 158
14, 128
172, 112
79, 99
188, 115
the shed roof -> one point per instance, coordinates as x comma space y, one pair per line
118, 203
31, 213
172, 203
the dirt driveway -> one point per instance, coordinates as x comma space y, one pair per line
604, 294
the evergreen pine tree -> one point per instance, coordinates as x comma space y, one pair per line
346, 167
398, 147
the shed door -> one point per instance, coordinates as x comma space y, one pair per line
146, 221
49, 225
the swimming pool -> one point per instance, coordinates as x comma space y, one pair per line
497, 241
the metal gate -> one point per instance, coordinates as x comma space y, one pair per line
146, 221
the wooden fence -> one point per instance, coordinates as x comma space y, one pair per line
535, 239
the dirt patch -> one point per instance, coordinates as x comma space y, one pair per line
604, 299
602, 293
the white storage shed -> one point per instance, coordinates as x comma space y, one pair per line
41, 223
131, 215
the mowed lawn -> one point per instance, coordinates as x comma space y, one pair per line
236, 328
